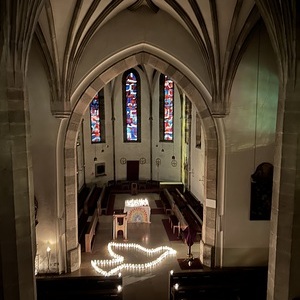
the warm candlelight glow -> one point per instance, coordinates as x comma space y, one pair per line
136, 202
119, 260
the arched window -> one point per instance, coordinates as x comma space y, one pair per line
166, 108
131, 106
97, 118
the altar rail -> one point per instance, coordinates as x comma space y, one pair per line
83, 287
226, 284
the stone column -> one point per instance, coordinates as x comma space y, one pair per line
284, 253
17, 220
17, 215
207, 244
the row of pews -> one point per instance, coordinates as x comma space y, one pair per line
243, 283
91, 202
83, 287
185, 212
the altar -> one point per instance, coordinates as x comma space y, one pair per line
138, 210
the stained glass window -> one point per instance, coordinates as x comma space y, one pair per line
97, 118
131, 106
166, 108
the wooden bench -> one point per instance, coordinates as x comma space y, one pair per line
184, 208
175, 224
226, 284
169, 197
79, 287
182, 221
165, 203
101, 205
82, 195
86, 201
91, 231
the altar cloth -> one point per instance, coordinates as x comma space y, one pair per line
138, 210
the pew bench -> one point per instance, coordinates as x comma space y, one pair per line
243, 283
166, 205
175, 224
79, 287
87, 200
91, 231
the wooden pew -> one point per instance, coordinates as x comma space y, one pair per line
86, 201
169, 197
191, 217
166, 205
79, 287
91, 231
195, 204
243, 283
183, 224
82, 195
101, 205
105, 200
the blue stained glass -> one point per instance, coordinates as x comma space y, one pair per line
95, 120
168, 108
131, 108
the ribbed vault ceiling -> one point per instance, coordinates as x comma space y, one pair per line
220, 29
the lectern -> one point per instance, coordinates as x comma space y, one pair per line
120, 224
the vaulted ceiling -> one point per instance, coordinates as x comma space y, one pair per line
219, 28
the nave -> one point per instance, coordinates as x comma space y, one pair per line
193, 280
150, 284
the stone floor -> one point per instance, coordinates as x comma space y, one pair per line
147, 284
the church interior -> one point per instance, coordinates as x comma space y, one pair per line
149, 149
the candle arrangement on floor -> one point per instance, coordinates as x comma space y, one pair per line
117, 262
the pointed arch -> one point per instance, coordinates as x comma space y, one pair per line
207, 245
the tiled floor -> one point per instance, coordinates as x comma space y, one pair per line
148, 284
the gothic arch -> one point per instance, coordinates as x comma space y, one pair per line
207, 244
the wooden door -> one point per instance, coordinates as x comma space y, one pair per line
133, 170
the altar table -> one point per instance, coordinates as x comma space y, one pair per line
138, 210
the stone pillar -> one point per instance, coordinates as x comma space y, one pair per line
207, 245
17, 220
17, 215
73, 247
284, 253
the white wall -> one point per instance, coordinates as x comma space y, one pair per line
103, 152
250, 136
44, 132
134, 151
